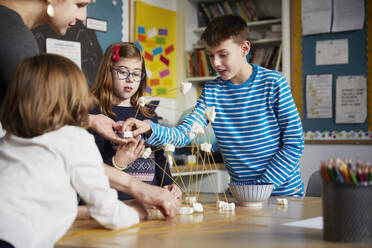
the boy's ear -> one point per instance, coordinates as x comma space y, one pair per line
246, 46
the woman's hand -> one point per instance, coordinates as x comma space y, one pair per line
127, 153
175, 190
136, 126
106, 127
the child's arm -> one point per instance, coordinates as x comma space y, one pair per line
90, 181
143, 192
286, 160
127, 153
178, 136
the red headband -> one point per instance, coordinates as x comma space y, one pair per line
116, 55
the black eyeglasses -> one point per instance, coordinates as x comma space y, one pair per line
124, 73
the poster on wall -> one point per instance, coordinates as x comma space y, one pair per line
351, 99
155, 36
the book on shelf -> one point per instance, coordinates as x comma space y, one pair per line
244, 8
266, 56
198, 64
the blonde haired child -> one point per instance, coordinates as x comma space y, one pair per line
47, 157
120, 83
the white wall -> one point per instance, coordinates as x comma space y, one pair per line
314, 154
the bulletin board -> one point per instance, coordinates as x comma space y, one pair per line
326, 130
156, 36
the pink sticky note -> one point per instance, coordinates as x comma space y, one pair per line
164, 73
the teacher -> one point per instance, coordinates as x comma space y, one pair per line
17, 41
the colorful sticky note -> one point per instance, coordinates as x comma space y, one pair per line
161, 91
164, 73
148, 90
142, 38
151, 33
167, 82
169, 49
160, 40
149, 56
141, 30
157, 51
163, 31
164, 60
138, 45
154, 81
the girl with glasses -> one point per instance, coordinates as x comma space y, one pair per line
120, 82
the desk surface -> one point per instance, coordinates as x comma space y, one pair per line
247, 227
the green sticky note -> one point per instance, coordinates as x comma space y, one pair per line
160, 40
161, 91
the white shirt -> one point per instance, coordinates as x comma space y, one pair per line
39, 179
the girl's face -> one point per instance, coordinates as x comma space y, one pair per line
126, 77
67, 13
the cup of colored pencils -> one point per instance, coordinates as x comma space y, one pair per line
347, 200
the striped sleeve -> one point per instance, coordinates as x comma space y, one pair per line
285, 162
179, 135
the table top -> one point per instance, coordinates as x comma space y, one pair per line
245, 227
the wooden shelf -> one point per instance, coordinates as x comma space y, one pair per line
266, 41
184, 170
250, 24
198, 79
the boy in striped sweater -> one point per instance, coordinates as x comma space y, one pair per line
257, 125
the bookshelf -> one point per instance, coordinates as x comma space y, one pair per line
279, 13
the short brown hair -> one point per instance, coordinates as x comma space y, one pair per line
103, 87
46, 92
225, 27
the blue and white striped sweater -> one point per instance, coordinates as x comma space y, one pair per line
257, 127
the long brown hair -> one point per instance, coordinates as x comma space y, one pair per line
46, 92
103, 88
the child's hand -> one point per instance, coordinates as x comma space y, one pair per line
136, 126
139, 207
105, 127
174, 190
128, 153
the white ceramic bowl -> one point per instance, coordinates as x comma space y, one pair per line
251, 194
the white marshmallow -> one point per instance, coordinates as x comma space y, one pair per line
281, 201
190, 199
142, 101
147, 152
221, 204
210, 113
185, 87
186, 210
169, 148
128, 134
196, 129
198, 207
206, 147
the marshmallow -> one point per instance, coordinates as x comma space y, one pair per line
169, 148
206, 147
147, 152
142, 101
196, 129
190, 199
128, 134
186, 210
210, 113
198, 207
282, 201
185, 87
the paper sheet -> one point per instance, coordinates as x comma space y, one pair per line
351, 99
348, 15
319, 96
329, 52
68, 49
316, 16
314, 223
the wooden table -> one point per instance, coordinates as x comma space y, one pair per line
246, 227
